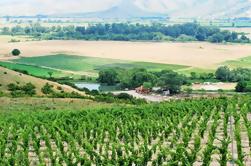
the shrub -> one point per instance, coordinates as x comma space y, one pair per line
16, 52
185, 38
124, 96
223, 73
1, 94
147, 85
241, 86
29, 89
59, 88
47, 89
18, 91
13, 87
22, 71
17, 94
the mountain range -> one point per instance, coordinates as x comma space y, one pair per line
125, 9
177, 8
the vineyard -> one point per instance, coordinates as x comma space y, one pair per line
191, 132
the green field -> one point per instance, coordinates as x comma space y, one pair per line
79, 64
243, 63
32, 70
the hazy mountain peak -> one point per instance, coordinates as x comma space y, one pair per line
178, 8
199, 8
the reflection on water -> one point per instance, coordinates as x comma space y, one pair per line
90, 86
97, 86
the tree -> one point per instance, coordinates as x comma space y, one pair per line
50, 74
244, 38
193, 75
16, 52
241, 86
223, 73
171, 81
147, 85
108, 76
216, 38
140, 77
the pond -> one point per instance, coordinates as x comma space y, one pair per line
96, 86
90, 86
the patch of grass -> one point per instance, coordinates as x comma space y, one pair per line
90, 64
187, 71
147, 65
32, 70
243, 62
47, 104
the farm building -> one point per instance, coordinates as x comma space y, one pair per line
142, 90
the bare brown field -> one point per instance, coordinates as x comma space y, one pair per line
196, 54
214, 86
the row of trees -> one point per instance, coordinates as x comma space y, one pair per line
224, 74
125, 32
134, 78
170, 80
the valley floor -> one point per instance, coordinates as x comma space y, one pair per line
196, 54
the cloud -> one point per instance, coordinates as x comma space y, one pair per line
31, 7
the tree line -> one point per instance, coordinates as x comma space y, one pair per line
171, 80
128, 32
133, 78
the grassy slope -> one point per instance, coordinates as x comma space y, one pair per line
46, 104
243, 62
8, 76
32, 70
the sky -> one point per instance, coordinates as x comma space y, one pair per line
33, 7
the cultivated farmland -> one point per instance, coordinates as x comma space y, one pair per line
197, 54
193, 132
65, 65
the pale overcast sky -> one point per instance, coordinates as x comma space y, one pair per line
33, 7
30, 7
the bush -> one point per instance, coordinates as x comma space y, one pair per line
17, 94
16, 52
147, 85
108, 76
47, 89
185, 38
17, 91
29, 89
243, 86
124, 96
13, 87
223, 73
1, 94
22, 71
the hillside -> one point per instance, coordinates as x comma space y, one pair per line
8, 76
